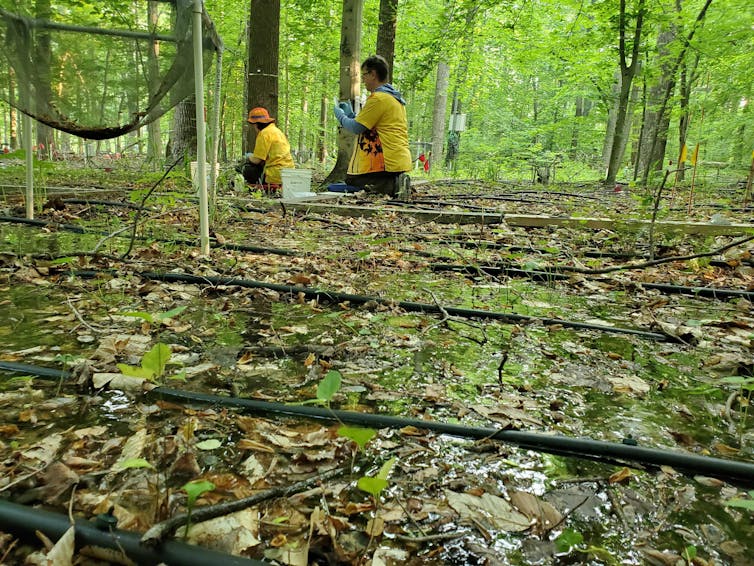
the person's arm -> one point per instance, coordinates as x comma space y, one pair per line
346, 119
253, 159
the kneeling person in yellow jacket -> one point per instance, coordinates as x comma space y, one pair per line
272, 152
381, 156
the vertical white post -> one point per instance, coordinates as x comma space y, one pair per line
201, 142
27, 125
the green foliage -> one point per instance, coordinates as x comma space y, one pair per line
134, 463
329, 386
747, 504
195, 489
568, 539
152, 364
361, 436
374, 485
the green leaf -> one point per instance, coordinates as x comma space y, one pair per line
209, 444
359, 435
329, 386
134, 371
180, 376
139, 314
742, 503
194, 490
134, 463
372, 486
156, 359
170, 314
568, 539
689, 553
385, 469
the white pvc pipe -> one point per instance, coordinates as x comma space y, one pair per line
201, 143
27, 125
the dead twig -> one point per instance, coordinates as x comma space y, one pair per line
77, 314
652, 263
447, 318
158, 532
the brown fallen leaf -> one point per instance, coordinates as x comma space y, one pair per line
620, 476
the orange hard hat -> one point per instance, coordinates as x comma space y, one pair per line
260, 115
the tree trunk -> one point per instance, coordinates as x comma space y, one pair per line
154, 134
183, 143
628, 71
582, 108
322, 134
264, 46
678, 61
43, 94
654, 133
438, 110
386, 33
12, 112
350, 75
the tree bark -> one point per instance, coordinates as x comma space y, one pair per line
679, 60
264, 46
154, 133
439, 107
627, 73
350, 76
42, 58
654, 136
386, 33
183, 144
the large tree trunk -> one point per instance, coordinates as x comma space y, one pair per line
183, 143
438, 110
42, 58
350, 75
627, 73
654, 132
386, 33
264, 45
674, 69
154, 134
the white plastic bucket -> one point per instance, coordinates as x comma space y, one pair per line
297, 183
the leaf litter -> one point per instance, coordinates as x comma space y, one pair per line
445, 498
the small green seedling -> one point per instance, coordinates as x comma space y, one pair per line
567, 540
327, 388
374, 485
134, 463
194, 490
747, 504
152, 364
361, 436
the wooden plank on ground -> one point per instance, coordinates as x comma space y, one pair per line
338, 205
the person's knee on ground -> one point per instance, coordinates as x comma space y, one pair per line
252, 173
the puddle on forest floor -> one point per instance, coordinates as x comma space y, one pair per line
403, 364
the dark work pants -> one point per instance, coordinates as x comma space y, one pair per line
382, 183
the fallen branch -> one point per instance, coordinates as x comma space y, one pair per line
158, 532
652, 263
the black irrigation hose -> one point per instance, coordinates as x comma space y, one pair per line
534, 275
80, 230
410, 306
26, 521
729, 470
115, 203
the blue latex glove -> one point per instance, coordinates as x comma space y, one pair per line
247, 156
346, 108
339, 114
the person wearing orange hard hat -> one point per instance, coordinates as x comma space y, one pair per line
272, 152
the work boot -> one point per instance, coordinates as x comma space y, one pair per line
403, 187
